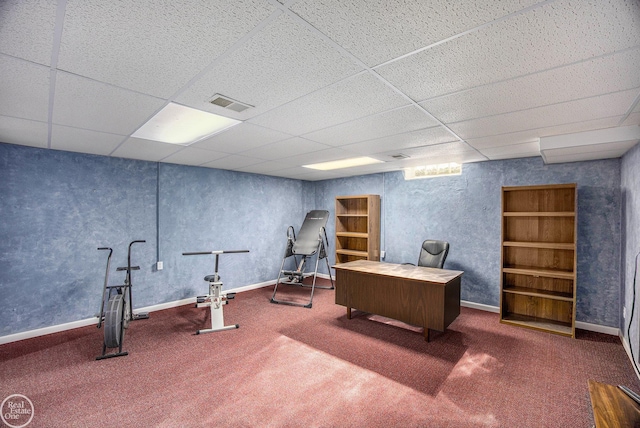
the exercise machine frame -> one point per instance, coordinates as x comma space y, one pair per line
216, 299
118, 302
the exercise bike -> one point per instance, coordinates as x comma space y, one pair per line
118, 302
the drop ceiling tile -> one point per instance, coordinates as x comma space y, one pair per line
84, 141
27, 28
23, 132
232, 162
266, 167
589, 109
393, 30
151, 48
84, 103
193, 156
137, 148
540, 39
326, 155
24, 89
592, 152
633, 119
594, 77
446, 149
286, 148
400, 142
521, 150
284, 62
533, 134
350, 99
240, 138
404, 119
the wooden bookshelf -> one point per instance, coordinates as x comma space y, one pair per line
357, 228
538, 264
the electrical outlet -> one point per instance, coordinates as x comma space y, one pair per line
159, 266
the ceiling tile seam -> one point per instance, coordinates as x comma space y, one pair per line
466, 32
61, 9
497, 82
424, 110
235, 46
546, 105
361, 63
630, 110
379, 113
541, 128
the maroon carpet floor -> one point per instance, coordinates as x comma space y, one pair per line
295, 367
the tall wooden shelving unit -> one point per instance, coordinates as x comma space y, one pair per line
357, 228
538, 272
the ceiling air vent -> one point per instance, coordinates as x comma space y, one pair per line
399, 156
229, 103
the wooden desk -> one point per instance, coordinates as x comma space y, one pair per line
612, 408
426, 297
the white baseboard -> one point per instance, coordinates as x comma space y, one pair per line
93, 321
90, 321
480, 306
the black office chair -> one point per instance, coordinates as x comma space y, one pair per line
433, 253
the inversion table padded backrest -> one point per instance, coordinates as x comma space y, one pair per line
307, 240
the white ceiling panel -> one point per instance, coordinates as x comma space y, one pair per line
150, 46
232, 162
287, 148
84, 141
524, 42
24, 89
285, 62
592, 152
584, 79
24, 132
376, 31
193, 156
347, 100
400, 142
27, 28
398, 121
136, 148
84, 103
327, 79
583, 110
241, 138
521, 150
535, 133
266, 167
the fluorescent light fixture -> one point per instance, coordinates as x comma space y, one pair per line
344, 163
430, 171
177, 124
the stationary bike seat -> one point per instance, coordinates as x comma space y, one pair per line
212, 278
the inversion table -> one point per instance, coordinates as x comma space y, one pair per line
311, 240
215, 299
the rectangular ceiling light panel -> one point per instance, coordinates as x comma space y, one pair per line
344, 163
178, 124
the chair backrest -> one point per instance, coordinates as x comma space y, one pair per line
433, 253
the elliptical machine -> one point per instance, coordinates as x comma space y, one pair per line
118, 302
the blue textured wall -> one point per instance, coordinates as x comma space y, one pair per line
56, 208
631, 246
465, 210
203, 209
